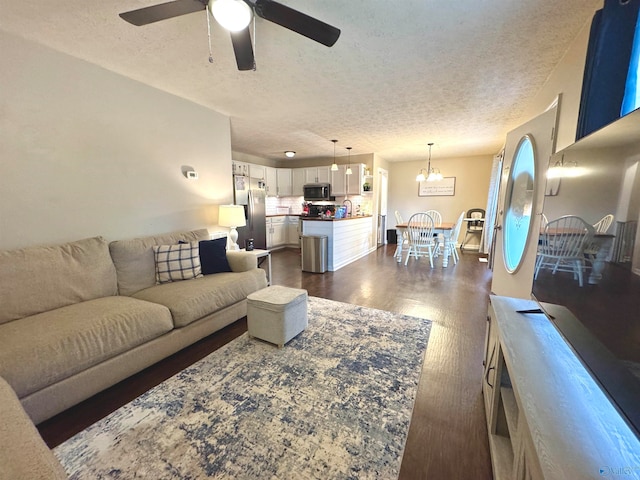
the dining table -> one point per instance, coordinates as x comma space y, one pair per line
444, 228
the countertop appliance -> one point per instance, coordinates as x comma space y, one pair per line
314, 192
250, 193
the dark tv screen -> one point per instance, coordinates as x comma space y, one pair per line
601, 319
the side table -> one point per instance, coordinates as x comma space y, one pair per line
262, 254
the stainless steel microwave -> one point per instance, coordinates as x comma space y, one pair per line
317, 191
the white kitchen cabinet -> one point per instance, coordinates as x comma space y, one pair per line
317, 174
257, 171
339, 181
240, 168
271, 179
297, 181
276, 232
355, 180
293, 231
284, 181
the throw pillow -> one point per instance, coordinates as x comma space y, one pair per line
177, 262
213, 256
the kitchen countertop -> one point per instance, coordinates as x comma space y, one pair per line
320, 219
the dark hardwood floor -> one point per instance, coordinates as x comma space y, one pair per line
448, 436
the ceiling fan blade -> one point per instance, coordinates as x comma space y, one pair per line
243, 49
297, 21
163, 11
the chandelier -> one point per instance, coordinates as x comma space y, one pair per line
433, 174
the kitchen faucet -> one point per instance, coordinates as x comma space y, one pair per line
350, 206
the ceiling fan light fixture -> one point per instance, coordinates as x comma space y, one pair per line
233, 15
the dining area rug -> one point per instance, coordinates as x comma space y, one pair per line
334, 403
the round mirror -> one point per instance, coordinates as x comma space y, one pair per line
518, 204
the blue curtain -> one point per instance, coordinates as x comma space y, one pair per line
606, 69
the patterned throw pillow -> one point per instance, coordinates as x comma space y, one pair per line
177, 262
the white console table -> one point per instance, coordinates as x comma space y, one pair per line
547, 417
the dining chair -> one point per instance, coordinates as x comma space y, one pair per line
421, 241
601, 227
405, 237
453, 239
437, 220
562, 246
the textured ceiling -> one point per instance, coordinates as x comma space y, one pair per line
402, 74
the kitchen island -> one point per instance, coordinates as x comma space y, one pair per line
349, 238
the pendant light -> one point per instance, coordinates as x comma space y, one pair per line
433, 174
334, 166
349, 172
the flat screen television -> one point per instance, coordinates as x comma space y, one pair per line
601, 319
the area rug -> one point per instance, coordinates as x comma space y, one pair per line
334, 403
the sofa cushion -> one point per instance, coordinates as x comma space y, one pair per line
213, 256
23, 453
38, 279
191, 300
46, 348
177, 262
134, 260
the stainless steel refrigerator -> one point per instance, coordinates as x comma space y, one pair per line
250, 192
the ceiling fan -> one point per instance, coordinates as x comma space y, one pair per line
229, 12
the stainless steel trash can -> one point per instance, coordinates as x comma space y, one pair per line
314, 253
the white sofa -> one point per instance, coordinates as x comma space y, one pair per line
79, 317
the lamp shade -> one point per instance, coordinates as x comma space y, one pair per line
231, 216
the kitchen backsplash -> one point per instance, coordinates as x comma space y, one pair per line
293, 205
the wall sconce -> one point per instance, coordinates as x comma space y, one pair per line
562, 169
232, 216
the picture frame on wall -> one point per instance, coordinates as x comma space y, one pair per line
444, 187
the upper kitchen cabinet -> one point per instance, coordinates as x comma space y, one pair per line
284, 182
297, 181
339, 181
355, 180
257, 171
240, 168
271, 180
317, 174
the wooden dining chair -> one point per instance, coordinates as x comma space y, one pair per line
421, 240
562, 246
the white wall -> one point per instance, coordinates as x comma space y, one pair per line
87, 152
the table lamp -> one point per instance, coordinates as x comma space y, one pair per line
232, 216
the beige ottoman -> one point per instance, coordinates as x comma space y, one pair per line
277, 314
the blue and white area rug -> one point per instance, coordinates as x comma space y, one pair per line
334, 403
